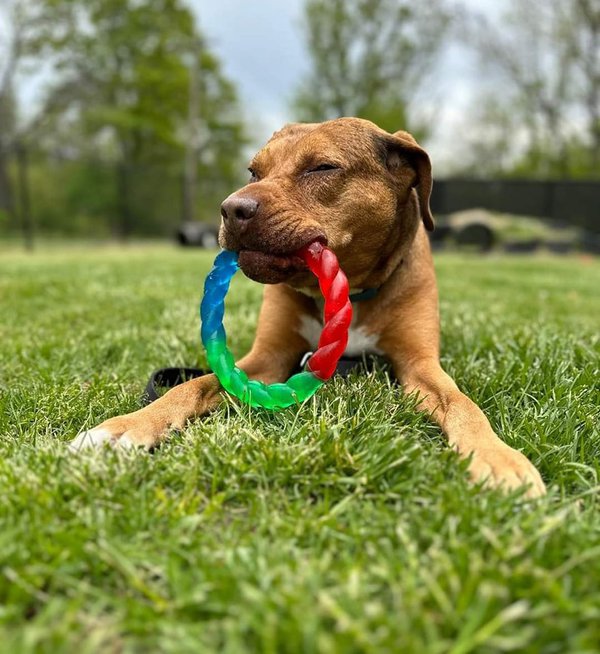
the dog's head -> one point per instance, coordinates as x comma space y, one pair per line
345, 182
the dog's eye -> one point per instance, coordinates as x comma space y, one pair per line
324, 167
253, 175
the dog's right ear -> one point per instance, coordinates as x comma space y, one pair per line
408, 162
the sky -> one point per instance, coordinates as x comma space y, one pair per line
260, 45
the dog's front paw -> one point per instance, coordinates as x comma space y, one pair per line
139, 429
499, 466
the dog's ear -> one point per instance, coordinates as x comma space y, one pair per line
406, 159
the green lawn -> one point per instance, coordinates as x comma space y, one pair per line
344, 526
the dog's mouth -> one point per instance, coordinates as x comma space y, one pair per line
269, 268
275, 267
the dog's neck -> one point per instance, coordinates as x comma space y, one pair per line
401, 235
399, 240
355, 294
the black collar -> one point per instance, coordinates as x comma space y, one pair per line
370, 293
366, 294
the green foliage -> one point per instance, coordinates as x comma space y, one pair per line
4, 219
345, 526
574, 162
368, 59
73, 198
115, 123
116, 65
7, 115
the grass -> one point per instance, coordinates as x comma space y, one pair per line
344, 526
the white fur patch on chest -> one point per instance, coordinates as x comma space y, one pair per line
359, 339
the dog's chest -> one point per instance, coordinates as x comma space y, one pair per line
359, 339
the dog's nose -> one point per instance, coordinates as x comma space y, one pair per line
241, 209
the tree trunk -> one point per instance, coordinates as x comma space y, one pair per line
6, 196
191, 149
27, 226
123, 228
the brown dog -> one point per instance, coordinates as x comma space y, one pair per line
365, 193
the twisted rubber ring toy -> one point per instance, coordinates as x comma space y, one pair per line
321, 365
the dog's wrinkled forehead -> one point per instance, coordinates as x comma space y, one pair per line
340, 142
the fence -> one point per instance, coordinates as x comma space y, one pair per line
568, 202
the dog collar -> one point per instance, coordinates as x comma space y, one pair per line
365, 294
359, 296
370, 293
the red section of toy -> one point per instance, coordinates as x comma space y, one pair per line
337, 314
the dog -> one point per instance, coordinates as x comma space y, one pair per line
365, 194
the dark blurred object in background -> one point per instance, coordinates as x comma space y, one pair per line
197, 234
556, 215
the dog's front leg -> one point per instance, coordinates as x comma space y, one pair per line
276, 350
410, 338
468, 430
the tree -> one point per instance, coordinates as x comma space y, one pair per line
13, 44
369, 58
7, 131
123, 69
20, 21
118, 97
544, 66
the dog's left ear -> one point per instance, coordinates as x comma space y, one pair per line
406, 159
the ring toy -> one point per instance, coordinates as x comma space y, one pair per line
323, 362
